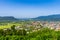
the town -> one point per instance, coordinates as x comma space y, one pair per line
37, 25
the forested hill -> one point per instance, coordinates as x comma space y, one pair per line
48, 18
8, 18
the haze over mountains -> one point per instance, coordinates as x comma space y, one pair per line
41, 18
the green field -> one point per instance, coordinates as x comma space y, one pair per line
8, 25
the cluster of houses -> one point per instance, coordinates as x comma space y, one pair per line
37, 25
52, 25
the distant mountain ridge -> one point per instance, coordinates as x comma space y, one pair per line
48, 18
8, 18
40, 18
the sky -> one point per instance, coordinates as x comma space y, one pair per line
29, 8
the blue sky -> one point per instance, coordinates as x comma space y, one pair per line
29, 8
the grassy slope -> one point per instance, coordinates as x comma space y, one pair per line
8, 25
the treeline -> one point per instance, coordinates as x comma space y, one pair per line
43, 34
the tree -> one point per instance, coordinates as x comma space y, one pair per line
21, 32
13, 29
1, 32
